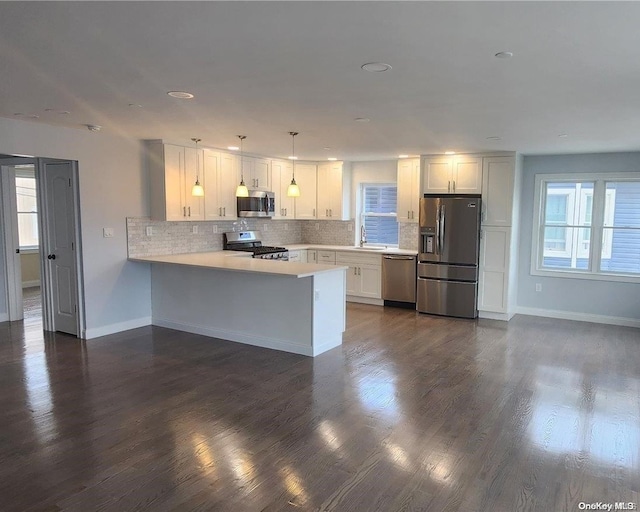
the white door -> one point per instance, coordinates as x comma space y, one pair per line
9, 215
59, 244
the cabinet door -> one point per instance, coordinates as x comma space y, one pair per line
437, 172
261, 173
174, 182
353, 281
228, 180
408, 190
467, 175
494, 269
370, 281
325, 191
497, 190
212, 208
193, 162
306, 180
294, 256
280, 179
303, 255
312, 256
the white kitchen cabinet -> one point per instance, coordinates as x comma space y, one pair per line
221, 177
312, 256
497, 190
454, 174
172, 173
306, 204
494, 269
298, 255
364, 276
408, 189
326, 257
257, 172
334, 191
280, 179
499, 237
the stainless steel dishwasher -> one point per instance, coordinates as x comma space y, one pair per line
399, 280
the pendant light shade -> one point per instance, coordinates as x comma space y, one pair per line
293, 190
197, 190
242, 190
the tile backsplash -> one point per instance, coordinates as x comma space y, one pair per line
179, 237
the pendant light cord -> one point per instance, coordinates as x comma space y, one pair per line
241, 137
293, 153
197, 159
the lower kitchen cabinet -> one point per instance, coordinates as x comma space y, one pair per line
493, 280
298, 256
364, 276
312, 256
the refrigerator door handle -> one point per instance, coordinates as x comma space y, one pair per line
442, 226
437, 231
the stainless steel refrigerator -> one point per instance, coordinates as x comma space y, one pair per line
448, 255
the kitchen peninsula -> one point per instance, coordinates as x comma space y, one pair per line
294, 307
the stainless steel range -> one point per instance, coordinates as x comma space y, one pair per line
249, 241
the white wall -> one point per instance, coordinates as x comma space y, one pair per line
113, 186
572, 297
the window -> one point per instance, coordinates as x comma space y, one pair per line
588, 226
26, 201
378, 213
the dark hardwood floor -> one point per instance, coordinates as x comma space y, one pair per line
411, 413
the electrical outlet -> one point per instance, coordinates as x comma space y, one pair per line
349, 227
265, 227
317, 227
107, 232
317, 294
286, 227
214, 229
194, 229
149, 230
538, 287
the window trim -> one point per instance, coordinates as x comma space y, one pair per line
362, 214
597, 217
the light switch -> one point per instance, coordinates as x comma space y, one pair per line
214, 229
194, 230
107, 232
149, 230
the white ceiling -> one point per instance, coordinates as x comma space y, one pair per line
263, 69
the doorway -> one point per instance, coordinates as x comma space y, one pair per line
40, 220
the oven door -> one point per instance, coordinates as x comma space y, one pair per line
258, 204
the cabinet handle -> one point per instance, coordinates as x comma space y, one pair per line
257, 182
408, 214
184, 211
224, 211
285, 212
330, 212
355, 271
449, 186
358, 270
189, 211
454, 186
314, 212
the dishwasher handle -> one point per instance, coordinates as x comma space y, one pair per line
387, 257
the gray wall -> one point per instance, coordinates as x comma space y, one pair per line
583, 296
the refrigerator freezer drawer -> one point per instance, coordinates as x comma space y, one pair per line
441, 271
449, 298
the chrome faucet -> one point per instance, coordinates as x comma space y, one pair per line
363, 235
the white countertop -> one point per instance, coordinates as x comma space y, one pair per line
240, 262
389, 250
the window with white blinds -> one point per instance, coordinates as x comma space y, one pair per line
378, 213
27, 203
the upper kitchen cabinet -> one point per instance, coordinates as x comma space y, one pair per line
408, 189
257, 172
334, 191
280, 179
306, 204
221, 177
455, 174
497, 190
172, 172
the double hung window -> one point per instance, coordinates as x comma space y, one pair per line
378, 213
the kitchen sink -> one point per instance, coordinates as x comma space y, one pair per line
370, 248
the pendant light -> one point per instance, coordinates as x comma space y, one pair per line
242, 190
294, 189
197, 189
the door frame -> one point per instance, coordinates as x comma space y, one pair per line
9, 228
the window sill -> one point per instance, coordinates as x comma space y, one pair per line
612, 278
29, 250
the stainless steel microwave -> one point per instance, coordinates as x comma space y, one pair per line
260, 203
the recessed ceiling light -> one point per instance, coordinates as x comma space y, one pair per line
33, 116
49, 109
183, 95
449, 152
504, 55
18, 114
376, 67
326, 148
563, 135
233, 148
494, 138
403, 156
292, 157
332, 159
64, 112
362, 119
136, 105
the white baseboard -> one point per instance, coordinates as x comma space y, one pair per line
4, 317
248, 339
365, 300
489, 315
580, 317
105, 330
30, 284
